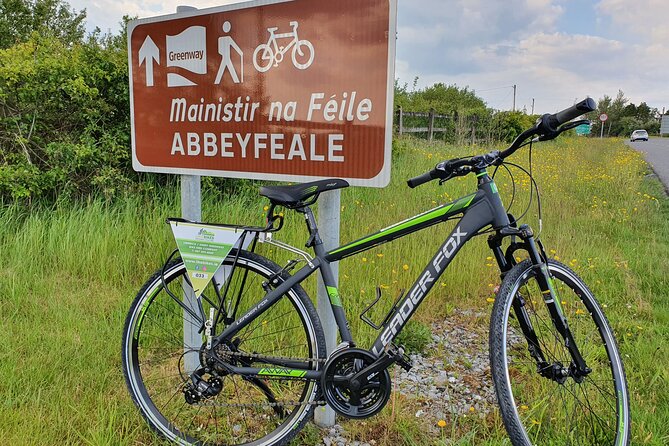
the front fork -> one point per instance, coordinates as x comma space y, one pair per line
578, 369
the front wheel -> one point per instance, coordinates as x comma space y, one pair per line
163, 356
556, 407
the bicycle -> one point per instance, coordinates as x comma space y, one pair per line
261, 360
270, 53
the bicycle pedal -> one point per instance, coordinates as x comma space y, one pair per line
401, 358
405, 363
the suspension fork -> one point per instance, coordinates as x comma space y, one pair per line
538, 257
505, 263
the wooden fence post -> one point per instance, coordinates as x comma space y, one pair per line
430, 126
400, 120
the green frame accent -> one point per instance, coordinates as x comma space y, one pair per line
333, 293
433, 214
278, 371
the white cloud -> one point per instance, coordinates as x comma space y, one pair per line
492, 43
106, 14
485, 44
555, 69
641, 18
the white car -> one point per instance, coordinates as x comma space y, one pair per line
639, 135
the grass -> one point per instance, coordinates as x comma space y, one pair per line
69, 273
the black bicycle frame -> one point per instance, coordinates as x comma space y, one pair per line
480, 210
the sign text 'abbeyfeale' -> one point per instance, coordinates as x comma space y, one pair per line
278, 90
278, 146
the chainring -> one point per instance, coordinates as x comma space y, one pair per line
335, 382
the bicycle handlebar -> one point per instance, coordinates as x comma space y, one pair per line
585, 106
421, 179
547, 128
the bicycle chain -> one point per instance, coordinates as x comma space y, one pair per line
282, 358
276, 404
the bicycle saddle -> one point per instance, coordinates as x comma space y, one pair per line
297, 194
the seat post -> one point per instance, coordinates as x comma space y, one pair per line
314, 238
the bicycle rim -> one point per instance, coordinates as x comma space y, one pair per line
256, 411
541, 410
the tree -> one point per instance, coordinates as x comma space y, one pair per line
64, 124
624, 116
21, 18
510, 124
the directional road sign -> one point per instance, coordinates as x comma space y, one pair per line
284, 90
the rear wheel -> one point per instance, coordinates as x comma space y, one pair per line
561, 409
161, 369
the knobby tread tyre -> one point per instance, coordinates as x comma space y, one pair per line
173, 271
498, 360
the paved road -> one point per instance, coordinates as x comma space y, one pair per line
656, 151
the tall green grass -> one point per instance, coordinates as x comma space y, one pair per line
69, 272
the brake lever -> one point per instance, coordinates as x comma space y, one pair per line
460, 171
563, 128
573, 125
443, 180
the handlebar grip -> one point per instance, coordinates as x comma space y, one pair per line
576, 110
421, 179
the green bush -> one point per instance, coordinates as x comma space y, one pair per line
64, 118
415, 336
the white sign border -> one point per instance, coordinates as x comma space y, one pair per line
382, 179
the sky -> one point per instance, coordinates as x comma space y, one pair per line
554, 51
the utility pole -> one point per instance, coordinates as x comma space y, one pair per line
532, 105
514, 97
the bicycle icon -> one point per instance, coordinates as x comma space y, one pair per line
270, 53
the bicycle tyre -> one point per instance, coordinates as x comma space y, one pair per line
153, 352
528, 402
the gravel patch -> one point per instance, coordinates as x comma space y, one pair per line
452, 377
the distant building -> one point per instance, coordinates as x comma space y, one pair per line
664, 126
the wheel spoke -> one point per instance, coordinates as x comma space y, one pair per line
555, 409
238, 410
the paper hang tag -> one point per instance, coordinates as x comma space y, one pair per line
203, 249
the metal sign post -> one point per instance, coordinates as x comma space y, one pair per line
602, 118
329, 211
191, 209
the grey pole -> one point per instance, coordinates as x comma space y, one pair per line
191, 209
329, 206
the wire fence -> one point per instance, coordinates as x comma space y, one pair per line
455, 128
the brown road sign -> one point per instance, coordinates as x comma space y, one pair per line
280, 90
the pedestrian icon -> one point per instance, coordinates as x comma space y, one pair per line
225, 46
271, 53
